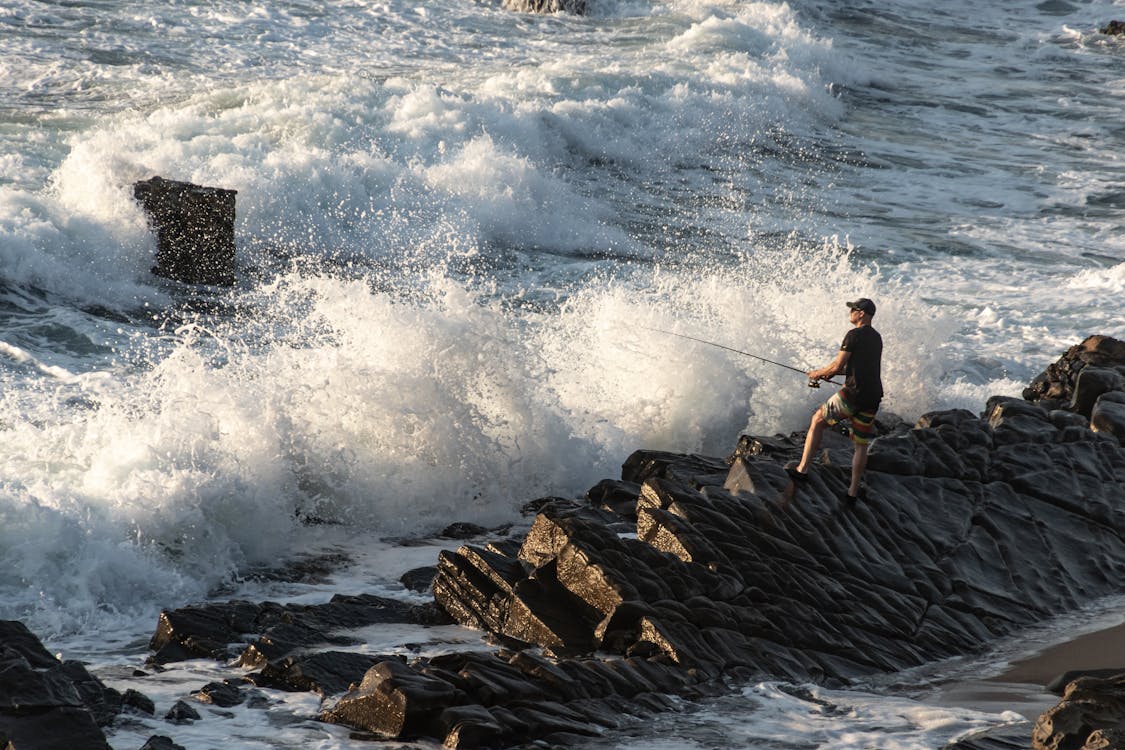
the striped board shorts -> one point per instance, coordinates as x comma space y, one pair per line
861, 423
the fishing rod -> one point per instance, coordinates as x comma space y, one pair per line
813, 382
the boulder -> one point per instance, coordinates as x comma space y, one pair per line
160, 742
194, 227
46, 704
1055, 387
394, 701
181, 713
575, 7
1114, 28
1090, 715
1108, 415
213, 630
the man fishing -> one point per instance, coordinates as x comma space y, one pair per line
860, 359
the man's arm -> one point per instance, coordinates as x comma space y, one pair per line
835, 367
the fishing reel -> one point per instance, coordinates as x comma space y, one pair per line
814, 383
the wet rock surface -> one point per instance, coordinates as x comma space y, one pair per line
46, 703
1090, 716
575, 7
194, 227
257, 634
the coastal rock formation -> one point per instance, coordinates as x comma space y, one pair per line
47, 704
194, 228
692, 569
1090, 716
1114, 28
1081, 376
576, 7
273, 631
689, 574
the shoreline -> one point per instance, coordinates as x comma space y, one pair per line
1022, 685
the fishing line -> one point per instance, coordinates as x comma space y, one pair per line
812, 383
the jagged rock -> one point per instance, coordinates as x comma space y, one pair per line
689, 469
1055, 386
1059, 684
419, 579
160, 742
208, 631
616, 496
470, 727
194, 228
1114, 28
1089, 706
1091, 383
139, 702
181, 713
323, 672
462, 530
394, 701
577, 7
223, 694
48, 704
1108, 415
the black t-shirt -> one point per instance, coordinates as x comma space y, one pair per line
863, 386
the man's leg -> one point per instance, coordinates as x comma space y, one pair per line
859, 464
812, 440
863, 432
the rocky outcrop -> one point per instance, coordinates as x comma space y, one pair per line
1090, 716
576, 7
693, 569
194, 228
273, 630
47, 704
1083, 377
1114, 28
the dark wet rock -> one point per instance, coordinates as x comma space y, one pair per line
576, 7
103, 703
1058, 385
160, 742
394, 701
462, 530
223, 694
137, 701
194, 229
181, 713
724, 567
45, 703
1090, 715
324, 672
273, 630
16, 641
311, 568
691, 469
1108, 415
419, 579
1059, 684
616, 496
1114, 28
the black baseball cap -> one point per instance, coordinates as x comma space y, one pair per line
863, 304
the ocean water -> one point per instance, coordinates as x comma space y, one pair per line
457, 228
